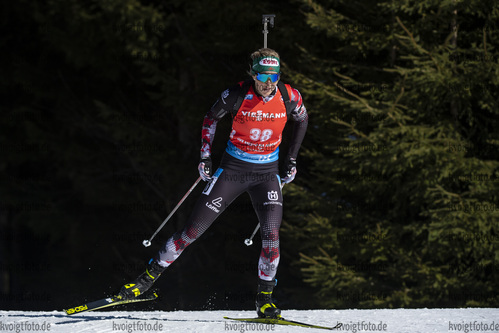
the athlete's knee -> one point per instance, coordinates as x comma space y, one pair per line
191, 232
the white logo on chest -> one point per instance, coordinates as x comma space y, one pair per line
261, 116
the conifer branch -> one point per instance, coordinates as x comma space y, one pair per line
348, 92
360, 99
352, 128
411, 36
392, 109
418, 47
308, 259
485, 41
325, 253
450, 194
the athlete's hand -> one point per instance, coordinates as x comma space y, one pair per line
290, 170
205, 168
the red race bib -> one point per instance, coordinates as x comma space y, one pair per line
257, 127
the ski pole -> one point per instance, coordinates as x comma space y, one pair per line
249, 241
267, 19
147, 242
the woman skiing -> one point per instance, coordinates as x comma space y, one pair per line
259, 108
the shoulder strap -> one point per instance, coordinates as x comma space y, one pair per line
242, 93
285, 97
244, 89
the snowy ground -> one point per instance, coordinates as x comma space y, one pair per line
395, 321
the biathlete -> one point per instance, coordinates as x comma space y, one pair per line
260, 108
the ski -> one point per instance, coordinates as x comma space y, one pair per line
282, 321
110, 301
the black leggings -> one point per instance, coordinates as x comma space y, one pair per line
233, 178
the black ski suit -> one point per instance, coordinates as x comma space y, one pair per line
249, 164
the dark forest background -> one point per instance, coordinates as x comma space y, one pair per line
396, 201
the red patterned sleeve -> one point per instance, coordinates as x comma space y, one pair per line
300, 116
222, 106
208, 134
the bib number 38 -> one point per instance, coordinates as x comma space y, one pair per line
257, 134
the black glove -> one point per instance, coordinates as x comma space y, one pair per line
205, 168
290, 169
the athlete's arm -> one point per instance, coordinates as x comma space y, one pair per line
300, 117
222, 106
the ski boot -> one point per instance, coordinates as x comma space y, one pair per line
264, 306
141, 284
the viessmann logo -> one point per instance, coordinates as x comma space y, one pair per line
260, 116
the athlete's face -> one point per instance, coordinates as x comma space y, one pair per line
267, 87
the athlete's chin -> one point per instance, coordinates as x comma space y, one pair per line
265, 92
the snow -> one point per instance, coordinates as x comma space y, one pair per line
378, 320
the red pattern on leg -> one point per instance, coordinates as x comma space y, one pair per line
270, 253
